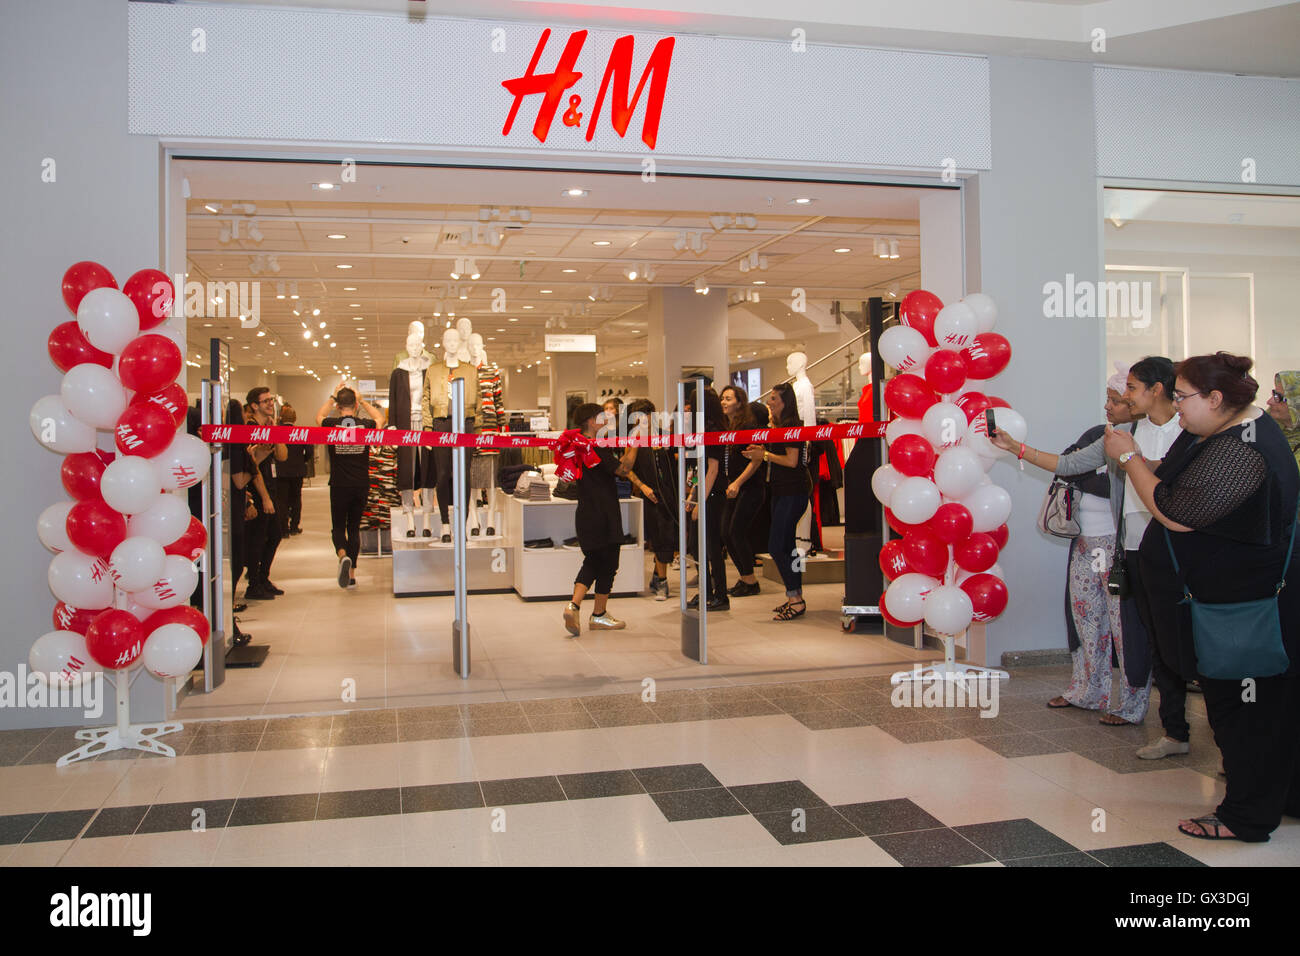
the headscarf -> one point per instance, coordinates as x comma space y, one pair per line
1291, 389
1119, 381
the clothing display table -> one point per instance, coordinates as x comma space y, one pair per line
423, 566
548, 572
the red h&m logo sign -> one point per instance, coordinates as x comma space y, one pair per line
618, 75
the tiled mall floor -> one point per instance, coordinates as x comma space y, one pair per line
556, 758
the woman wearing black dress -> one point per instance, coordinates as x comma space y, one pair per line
598, 523
1227, 494
713, 484
743, 480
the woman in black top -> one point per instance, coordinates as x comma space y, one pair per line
640, 466
598, 523
789, 486
1227, 493
744, 490
712, 483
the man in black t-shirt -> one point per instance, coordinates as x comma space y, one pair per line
349, 477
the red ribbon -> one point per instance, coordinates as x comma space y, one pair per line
573, 451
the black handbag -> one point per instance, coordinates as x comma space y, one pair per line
1118, 582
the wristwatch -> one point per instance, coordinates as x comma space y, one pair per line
1124, 458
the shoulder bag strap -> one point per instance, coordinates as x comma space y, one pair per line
1286, 565
1187, 595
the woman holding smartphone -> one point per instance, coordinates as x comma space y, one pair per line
789, 484
744, 492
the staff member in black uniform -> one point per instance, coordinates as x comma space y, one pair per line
642, 468
288, 479
714, 421
743, 480
598, 523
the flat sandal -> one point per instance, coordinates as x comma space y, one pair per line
789, 613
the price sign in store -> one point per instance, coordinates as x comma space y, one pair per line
366, 385
570, 343
539, 423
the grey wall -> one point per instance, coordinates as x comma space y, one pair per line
1035, 217
63, 68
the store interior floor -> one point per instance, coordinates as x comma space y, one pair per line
397, 651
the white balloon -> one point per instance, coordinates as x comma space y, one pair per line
944, 425
955, 326
904, 347
986, 311
883, 482
989, 507
136, 609
915, 500
165, 520
172, 650
52, 527
175, 334
130, 484
948, 610
183, 463
173, 587
108, 319
996, 571
58, 429
80, 581
977, 440
1012, 422
93, 394
958, 472
900, 427
906, 595
136, 563
62, 659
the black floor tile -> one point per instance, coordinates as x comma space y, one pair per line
1013, 839
286, 808
59, 825
500, 793
1077, 858
942, 847
170, 817
1145, 854
780, 797
15, 826
441, 796
605, 783
340, 804
813, 825
888, 816
116, 821
687, 776
678, 805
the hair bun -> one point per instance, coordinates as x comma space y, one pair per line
1238, 363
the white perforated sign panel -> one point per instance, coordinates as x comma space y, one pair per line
326, 76
1197, 127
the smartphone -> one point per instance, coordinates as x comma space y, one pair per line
990, 423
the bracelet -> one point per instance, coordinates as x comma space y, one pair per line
1021, 456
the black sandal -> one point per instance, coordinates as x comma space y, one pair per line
1205, 823
778, 610
789, 612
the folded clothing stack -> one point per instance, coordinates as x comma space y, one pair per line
533, 489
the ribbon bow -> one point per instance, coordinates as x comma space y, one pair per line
574, 450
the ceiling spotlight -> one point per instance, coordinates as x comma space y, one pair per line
843, 249
336, 235
457, 269
893, 248
721, 221
702, 286
600, 242
679, 244
306, 333
592, 294
315, 345
254, 232
279, 290
343, 266
334, 345
472, 268
698, 245
893, 290
317, 312
296, 312
464, 294
213, 208
803, 201
325, 186
575, 192
224, 235
881, 248
631, 273
293, 290
261, 333
350, 288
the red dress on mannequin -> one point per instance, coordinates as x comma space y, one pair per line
865, 413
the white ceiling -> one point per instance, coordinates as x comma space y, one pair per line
403, 227
1153, 205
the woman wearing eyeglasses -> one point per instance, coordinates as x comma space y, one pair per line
1284, 406
1227, 494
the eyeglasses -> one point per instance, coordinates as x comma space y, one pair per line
266, 401
1177, 397
1279, 397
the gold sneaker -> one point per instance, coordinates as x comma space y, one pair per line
571, 622
606, 622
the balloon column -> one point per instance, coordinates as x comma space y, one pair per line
122, 572
935, 489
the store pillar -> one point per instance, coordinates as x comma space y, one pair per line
571, 373
684, 330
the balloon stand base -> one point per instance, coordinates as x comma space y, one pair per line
949, 669
133, 737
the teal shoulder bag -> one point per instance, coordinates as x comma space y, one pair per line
1241, 639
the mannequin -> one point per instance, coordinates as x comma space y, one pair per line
483, 468
415, 466
865, 412
796, 366
436, 405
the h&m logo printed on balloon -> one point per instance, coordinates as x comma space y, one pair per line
128, 655
127, 436
185, 476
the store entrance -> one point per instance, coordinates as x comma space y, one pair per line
546, 293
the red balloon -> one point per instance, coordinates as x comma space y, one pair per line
153, 293
945, 372
900, 527
191, 542
191, 617
1000, 534
995, 402
68, 618
68, 347
973, 404
925, 552
892, 561
81, 474
918, 310
171, 397
115, 639
977, 553
144, 430
83, 277
884, 612
988, 595
987, 355
912, 455
909, 395
952, 522
149, 363
95, 528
